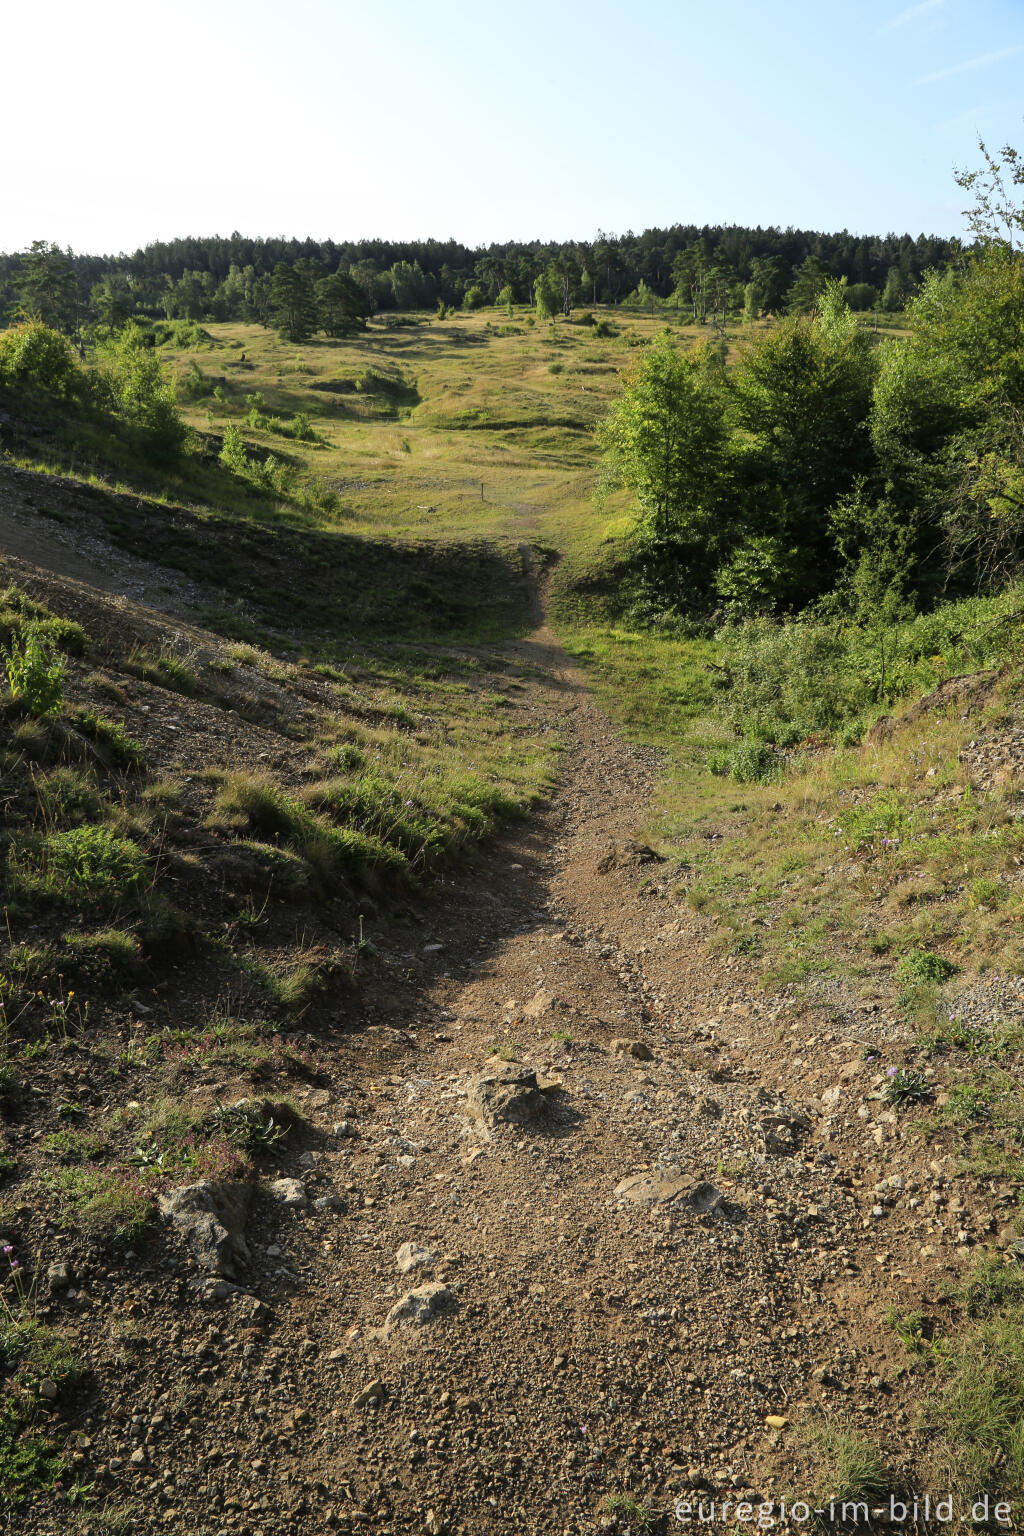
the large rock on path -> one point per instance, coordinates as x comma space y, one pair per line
419, 1307
211, 1218
507, 1092
659, 1188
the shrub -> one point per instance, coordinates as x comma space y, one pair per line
754, 763
921, 967
35, 674
318, 496
95, 863
194, 383
35, 357
134, 387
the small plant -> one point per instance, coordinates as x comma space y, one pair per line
561, 1037
111, 740
35, 674
505, 1049
71, 1146
93, 862
921, 968
914, 1331
905, 1086
637, 1515
252, 1126
112, 1205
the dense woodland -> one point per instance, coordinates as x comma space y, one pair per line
311, 285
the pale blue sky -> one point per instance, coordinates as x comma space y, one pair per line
123, 122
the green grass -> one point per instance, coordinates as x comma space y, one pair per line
847, 1468
636, 1513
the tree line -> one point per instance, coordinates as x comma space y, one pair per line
306, 285
826, 466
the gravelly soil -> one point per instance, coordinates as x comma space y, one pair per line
589, 1343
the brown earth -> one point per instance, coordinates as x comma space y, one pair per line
592, 1344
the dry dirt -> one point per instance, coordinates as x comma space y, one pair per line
587, 1343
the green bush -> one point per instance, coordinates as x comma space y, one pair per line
754, 763
35, 357
132, 384
35, 674
921, 968
93, 862
817, 674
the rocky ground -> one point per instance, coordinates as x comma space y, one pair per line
577, 1222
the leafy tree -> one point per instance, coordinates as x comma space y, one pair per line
111, 300
365, 274
340, 304
948, 418
547, 295
132, 384
293, 307
809, 283
34, 357
894, 295
666, 440
475, 297
803, 396
46, 287
862, 296
567, 276
995, 218
768, 282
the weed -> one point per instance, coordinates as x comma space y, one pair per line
35, 674
67, 796
637, 1515
93, 864
71, 1146
111, 1205
255, 1126
904, 1086
914, 1330
111, 955
978, 1404
29, 1462
111, 741
922, 967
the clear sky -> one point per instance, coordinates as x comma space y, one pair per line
124, 121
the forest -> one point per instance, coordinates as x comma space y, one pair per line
307, 285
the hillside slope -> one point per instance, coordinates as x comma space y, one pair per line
663, 1215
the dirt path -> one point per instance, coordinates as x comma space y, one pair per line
595, 1341
557, 1026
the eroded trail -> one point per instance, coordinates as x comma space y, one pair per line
660, 1215
599, 1340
